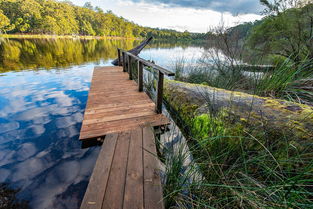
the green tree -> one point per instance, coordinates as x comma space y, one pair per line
4, 22
290, 33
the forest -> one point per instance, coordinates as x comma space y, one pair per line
281, 34
64, 18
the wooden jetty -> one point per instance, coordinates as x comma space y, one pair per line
126, 174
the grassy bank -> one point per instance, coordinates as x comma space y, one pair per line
241, 165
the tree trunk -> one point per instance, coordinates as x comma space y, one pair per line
191, 100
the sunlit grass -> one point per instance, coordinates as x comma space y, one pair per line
288, 80
239, 170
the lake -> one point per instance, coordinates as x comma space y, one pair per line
44, 87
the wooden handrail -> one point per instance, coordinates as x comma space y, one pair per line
149, 64
126, 59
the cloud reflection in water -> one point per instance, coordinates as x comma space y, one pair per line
40, 118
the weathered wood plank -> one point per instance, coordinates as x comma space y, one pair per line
153, 195
125, 104
100, 129
133, 198
97, 184
119, 108
118, 116
115, 112
112, 105
114, 195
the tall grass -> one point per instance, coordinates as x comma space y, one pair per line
236, 166
288, 80
239, 169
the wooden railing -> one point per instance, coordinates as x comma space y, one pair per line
125, 59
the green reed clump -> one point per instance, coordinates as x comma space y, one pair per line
288, 80
240, 167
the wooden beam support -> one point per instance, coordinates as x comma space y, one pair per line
124, 61
130, 68
158, 107
119, 57
140, 76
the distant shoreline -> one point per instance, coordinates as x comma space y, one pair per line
44, 36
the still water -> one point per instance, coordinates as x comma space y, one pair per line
44, 86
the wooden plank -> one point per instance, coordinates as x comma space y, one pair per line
119, 116
116, 112
101, 129
96, 188
113, 91
110, 95
118, 99
112, 105
109, 130
118, 108
125, 104
153, 195
133, 197
114, 194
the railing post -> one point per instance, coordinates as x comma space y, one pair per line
140, 75
124, 61
130, 68
119, 57
158, 107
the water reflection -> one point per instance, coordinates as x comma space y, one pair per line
40, 119
41, 112
20, 54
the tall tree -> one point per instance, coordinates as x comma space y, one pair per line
4, 22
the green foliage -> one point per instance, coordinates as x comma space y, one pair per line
288, 34
4, 21
206, 125
63, 18
287, 81
237, 166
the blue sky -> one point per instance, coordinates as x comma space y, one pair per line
191, 15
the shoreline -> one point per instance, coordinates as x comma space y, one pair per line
44, 36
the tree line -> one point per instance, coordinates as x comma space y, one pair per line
65, 18
286, 32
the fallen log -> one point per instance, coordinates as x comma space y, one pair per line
136, 50
280, 116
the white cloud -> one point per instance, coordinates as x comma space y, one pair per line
163, 16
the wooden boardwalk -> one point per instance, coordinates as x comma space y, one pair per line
115, 105
126, 174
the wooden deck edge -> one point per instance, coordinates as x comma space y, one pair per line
94, 196
163, 122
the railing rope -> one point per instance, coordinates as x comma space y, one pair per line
127, 58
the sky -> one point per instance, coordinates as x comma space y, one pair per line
181, 15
